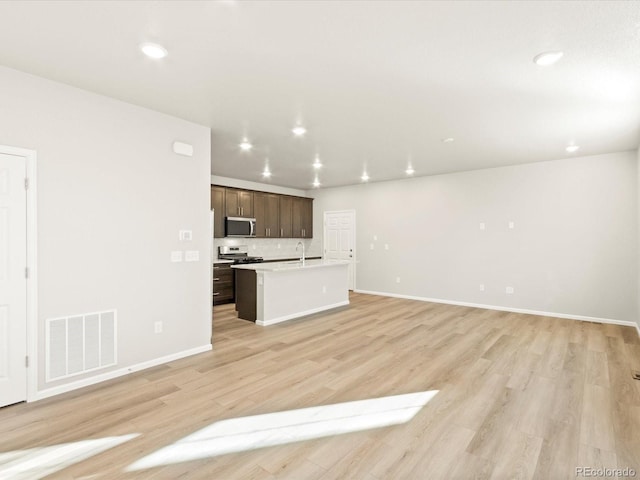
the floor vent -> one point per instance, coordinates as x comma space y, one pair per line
80, 344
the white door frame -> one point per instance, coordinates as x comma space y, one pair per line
353, 238
30, 157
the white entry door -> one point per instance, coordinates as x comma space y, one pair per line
13, 284
340, 239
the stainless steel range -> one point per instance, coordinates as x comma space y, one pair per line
239, 254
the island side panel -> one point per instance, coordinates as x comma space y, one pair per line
246, 294
294, 293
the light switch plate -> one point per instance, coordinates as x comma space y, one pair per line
176, 256
192, 256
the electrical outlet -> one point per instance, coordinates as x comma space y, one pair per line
508, 290
512, 225
324, 289
185, 235
397, 279
386, 246
371, 247
375, 238
176, 256
482, 226
157, 327
482, 287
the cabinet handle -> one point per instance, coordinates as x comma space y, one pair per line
216, 293
216, 279
281, 232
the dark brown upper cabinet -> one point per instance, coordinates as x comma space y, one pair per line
218, 206
239, 203
302, 217
266, 208
277, 216
286, 205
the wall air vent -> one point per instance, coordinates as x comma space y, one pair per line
80, 344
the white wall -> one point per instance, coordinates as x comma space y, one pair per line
638, 246
111, 199
574, 249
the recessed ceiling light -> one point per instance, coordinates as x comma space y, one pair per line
153, 50
245, 145
266, 172
410, 170
317, 163
316, 182
447, 140
546, 59
299, 130
572, 148
365, 177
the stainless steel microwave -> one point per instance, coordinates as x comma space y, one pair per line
240, 227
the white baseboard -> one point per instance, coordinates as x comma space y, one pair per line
265, 323
67, 387
507, 309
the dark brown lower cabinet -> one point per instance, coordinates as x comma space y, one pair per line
223, 283
246, 301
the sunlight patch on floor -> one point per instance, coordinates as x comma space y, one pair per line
258, 431
36, 463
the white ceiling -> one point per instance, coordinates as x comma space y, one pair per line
374, 82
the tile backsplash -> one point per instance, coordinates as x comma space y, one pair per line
271, 248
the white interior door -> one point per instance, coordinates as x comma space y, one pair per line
13, 284
340, 239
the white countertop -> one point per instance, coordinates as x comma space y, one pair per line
281, 259
291, 258
295, 265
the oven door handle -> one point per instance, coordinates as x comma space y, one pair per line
252, 225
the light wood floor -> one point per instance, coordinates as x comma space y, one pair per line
520, 396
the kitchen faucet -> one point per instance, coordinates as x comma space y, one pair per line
300, 244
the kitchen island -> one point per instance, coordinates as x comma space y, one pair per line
268, 293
